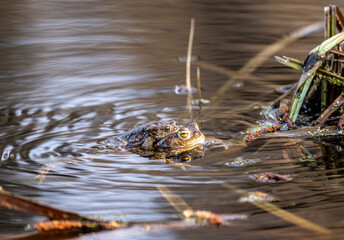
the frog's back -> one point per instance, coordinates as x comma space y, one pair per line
142, 136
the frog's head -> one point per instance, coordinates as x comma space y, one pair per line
185, 138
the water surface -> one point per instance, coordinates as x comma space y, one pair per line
72, 73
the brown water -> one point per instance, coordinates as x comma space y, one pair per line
73, 73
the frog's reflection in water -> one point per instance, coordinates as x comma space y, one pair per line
188, 156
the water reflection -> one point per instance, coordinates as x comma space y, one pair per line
332, 154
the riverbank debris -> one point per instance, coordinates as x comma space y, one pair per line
183, 90
269, 177
75, 226
203, 217
264, 128
257, 196
242, 162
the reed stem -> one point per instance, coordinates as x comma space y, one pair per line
188, 60
199, 84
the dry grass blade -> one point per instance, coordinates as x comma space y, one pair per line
201, 217
215, 68
177, 202
297, 64
266, 53
273, 209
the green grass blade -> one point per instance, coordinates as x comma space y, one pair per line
302, 97
328, 44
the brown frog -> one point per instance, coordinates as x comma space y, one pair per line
158, 139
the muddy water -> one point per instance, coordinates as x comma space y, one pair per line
73, 73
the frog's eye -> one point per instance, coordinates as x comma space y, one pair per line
184, 134
168, 128
186, 158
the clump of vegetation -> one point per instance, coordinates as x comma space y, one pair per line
318, 95
317, 99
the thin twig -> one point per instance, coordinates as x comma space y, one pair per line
284, 95
331, 109
340, 19
340, 53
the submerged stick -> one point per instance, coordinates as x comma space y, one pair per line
188, 60
26, 205
61, 221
